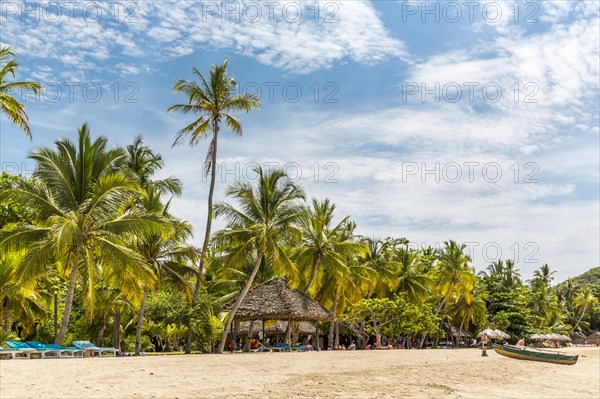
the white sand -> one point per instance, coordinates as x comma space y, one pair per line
346, 374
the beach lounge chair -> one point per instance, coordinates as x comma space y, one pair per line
94, 350
63, 351
299, 348
26, 351
10, 354
262, 348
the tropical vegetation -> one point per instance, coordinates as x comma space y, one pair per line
90, 249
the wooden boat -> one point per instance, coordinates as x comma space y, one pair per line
534, 355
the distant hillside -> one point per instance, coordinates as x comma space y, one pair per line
591, 279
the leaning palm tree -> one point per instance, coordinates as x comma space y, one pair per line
257, 230
82, 227
10, 106
471, 309
214, 101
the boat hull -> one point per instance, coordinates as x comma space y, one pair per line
524, 354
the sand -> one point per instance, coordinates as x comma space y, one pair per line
345, 374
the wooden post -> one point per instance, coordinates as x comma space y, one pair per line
317, 335
289, 334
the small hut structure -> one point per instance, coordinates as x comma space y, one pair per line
452, 331
578, 338
594, 338
275, 300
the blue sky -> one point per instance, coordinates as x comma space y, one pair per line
477, 122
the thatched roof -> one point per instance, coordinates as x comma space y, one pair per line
594, 338
275, 300
275, 328
454, 331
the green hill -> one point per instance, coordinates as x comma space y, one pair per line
591, 279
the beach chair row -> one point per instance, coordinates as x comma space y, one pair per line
35, 349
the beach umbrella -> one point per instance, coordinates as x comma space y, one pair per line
489, 332
537, 337
501, 334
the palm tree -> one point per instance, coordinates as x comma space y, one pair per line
10, 106
542, 277
511, 278
468, 309
82, 225
409, 278
544, 304
19, 300
141, 163
454, 276
583, 300
167, 252
266, 217
215, 101
322, 245
347, 282
378, 265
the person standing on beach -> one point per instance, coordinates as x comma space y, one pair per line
484, 341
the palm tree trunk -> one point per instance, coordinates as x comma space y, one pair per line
101, 329
424, 337
462, 323
140, 320
188, 338
55, 314
248, 344
288, 334
68, 303
116, 340
238, 302
209, 217
580, 317
330, 342
313, 275
7, 306
374, 320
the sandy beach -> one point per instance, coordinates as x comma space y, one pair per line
344, 374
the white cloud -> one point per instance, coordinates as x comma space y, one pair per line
174, 29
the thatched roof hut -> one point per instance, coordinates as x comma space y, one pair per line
594, 338
453, 331
275, 300
578, 338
